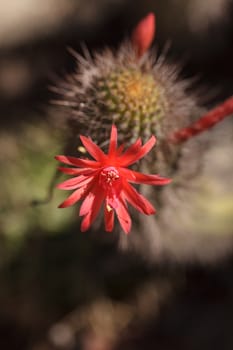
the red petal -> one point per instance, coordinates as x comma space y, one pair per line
143, 34
140, 178
131, 157
82, 163
94, 207
74, 197
130, 151
113, 141
123, 216
94, 150
87, 204
137, 200
75, 182
109, 219
75, 171
120, 150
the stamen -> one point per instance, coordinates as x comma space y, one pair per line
108, 177
109, 208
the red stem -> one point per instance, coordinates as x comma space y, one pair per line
204, 123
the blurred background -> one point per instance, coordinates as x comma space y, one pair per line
61, 289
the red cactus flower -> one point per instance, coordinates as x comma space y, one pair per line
107, 179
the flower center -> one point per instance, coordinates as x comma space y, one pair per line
111, 183
109, 178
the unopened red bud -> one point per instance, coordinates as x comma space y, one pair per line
143, 34
206, 122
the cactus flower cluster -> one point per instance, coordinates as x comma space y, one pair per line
138, 94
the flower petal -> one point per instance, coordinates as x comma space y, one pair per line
87, 204
119, 150
92, 148
76, 171
123, 216
82, 163
134, 155
74, 197
94, 206
131, 150
88, 201
137, 200
108, 219
75, 182
140, 178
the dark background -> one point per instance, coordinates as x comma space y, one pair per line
61, 289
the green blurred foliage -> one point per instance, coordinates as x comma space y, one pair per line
27, 168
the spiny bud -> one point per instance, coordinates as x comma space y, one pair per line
136, 102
